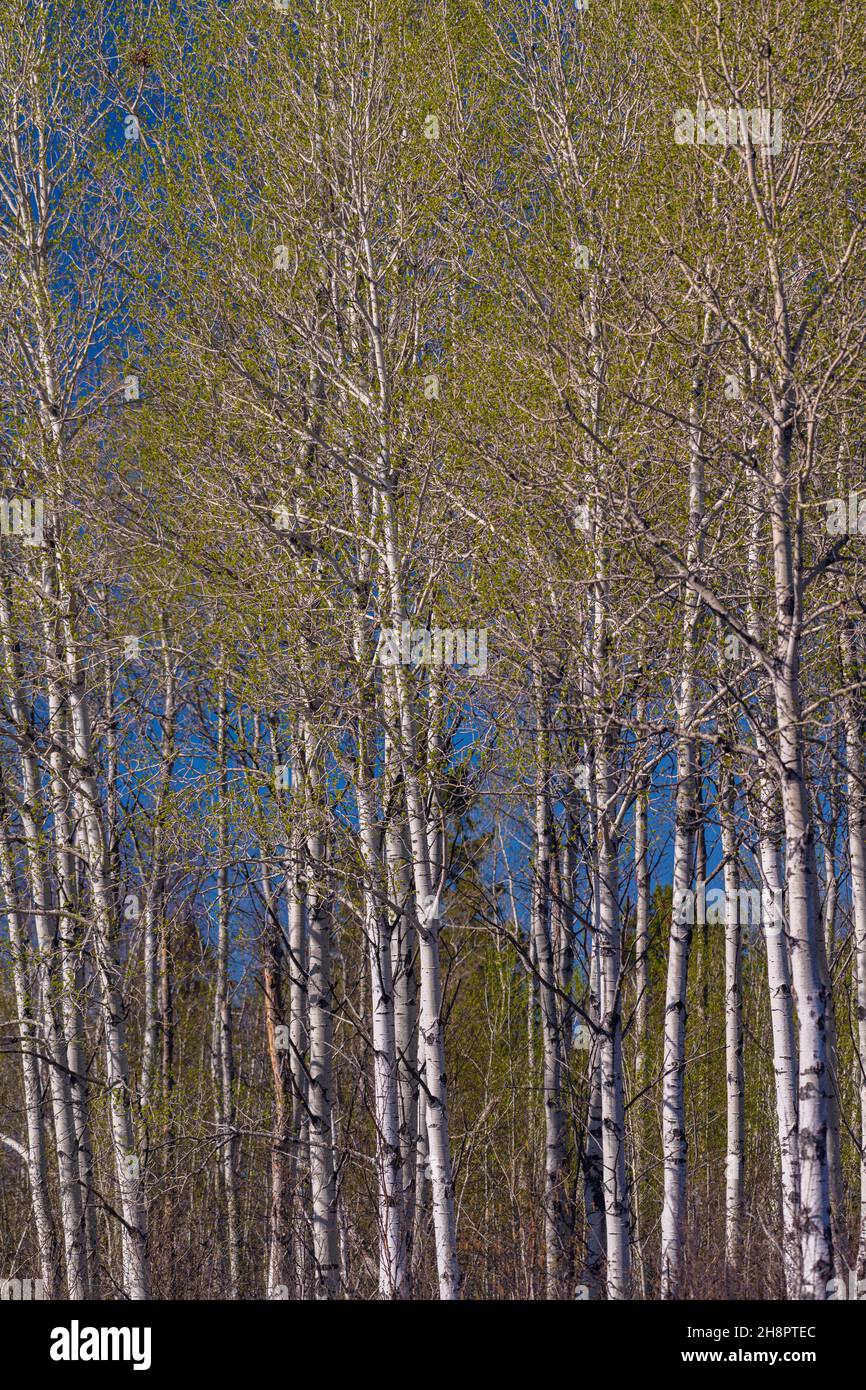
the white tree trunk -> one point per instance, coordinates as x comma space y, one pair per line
405, 1020
816, 1241
427, 899
299, 1033
69, 934
393, 1268
127, 1167
816, 1237
326, 1268
223, 1058
65, 1138
734, 1074
766, 815
673, 1086
642, 909
28, 1032
556, 1223
609, 939
856, 771
593, 1161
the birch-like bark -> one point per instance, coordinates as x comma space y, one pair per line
642, 909
826, 943
856, 789
673, 1087
734, 1073
223, 1051
69, 931
393, 1263
767, 818
43, 363
405, 1012
278, 1267
562, 863
326, 1268
127, 1166
393, 1268
33, 188
65, 1138
423, 1176
427, 900
816, 1237
279, 1258
556, 1222
785, 1067
616, 1201
28, 1033
154, 901
167, 1082
643, 1106
592, 1157
427, 891
299, 1037
816, 1242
